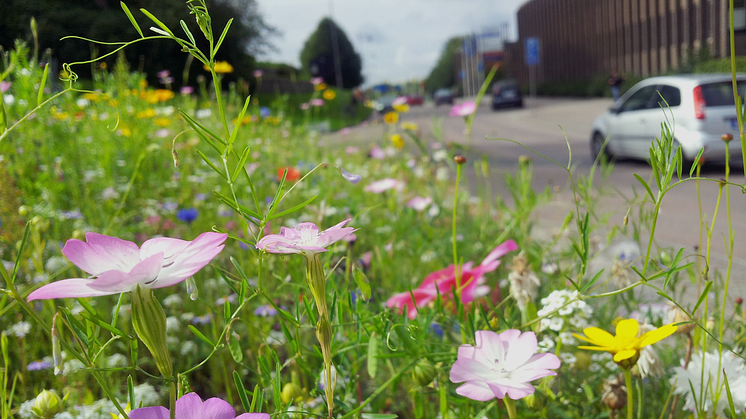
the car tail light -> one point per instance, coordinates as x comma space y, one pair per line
699, 103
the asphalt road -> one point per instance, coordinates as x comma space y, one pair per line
543, 124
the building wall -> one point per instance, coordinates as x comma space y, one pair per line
580, 39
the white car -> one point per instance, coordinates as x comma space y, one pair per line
700, 109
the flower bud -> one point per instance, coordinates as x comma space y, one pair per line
523, 159
459, 159
615, 394
59, 368
149, 322
291, 392
23, 210
47, 404
727, 137
739, 301
423, 373
628, 363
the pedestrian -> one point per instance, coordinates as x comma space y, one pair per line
615, 81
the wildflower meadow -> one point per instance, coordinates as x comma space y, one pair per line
195, 253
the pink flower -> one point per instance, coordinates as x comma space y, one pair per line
116, 266
258, 73
401, 100
345, 131
304, 105
317, 80
317, 102
186, 90
4, 86
419, 203
304, 238
191, 406
377, 153
501, 364
443, 282
463, 109
351, 149
383, 185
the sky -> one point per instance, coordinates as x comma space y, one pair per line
398, 40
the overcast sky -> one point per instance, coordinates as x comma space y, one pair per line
397, 39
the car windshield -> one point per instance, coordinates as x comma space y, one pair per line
719, 94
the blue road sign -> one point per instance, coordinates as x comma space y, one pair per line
532, 51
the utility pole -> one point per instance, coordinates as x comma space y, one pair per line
335, 47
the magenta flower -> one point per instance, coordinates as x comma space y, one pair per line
501, 364
383, 185
4, 86
116, 266
317, 80
304, 238
463, 109
317, 102
191, 406
419, 203
443, 281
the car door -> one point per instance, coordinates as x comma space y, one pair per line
666, 99
627, 127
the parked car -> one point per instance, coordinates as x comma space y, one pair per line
384, 103
414, 100
443, 96
699, 107
506, 93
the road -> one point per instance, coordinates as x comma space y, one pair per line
542, 125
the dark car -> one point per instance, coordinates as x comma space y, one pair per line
506, 93
443, 96
414, 100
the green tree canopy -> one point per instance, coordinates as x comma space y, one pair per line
104, 20
443, 75
317, 56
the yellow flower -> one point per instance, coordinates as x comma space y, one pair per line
319, 87
143, 84
126, 410
125, 131
93, 97
164, 95
397, 141
329, 94
147, 113
391, 118
162, 122
245, 120
411, 126
402, 107
221, 67
626, 345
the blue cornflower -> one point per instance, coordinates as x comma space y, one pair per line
437, 329
265, 311
264, 112
187, 215
39, 365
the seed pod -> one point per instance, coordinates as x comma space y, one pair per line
459, 159
423, 373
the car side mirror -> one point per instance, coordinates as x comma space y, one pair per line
615, 110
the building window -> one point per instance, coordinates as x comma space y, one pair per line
739, 15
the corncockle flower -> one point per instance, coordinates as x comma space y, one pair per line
383, 185
317, 102
501, 365
443, 282
186, 90
191, 406
714, 384
4, 86
118, 266
377, 153
464, 109
626, 345
419, 203
305, 239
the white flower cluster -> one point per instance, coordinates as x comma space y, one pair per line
713, 384
561, 307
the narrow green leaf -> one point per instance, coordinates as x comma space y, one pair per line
187, 32
234, 132
378, 416
222, 37
702, 297
373, 355
203, 132
362, 282
102, 324
156, 21
733, 413
254, 396
241, 163
277, 387
402, 331
273, 205
76, 326
309, 310
200, 335
133, 351
21, 248
241, 391
645, 185
131, 391
593, 280
211, 164
235, 349
671, 268
679, 162
42, 83
3, 116
696, 162
239, 208
137, 28
293, 209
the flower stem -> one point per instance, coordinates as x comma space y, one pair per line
510, 406
172, 399
456, 268
630, 392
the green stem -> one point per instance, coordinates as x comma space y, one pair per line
380, 390
739, 110
652, 231
630, 392
219, 97
171, 399
510, 407
456, 268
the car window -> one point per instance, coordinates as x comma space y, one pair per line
668, 96
641, 99
719, 94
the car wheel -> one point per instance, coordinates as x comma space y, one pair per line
597, 145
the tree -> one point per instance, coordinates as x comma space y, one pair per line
104, 20
317, 56
443, 75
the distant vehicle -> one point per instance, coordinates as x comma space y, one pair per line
414, 100
442, 96
701, 106
506, 93
384, 103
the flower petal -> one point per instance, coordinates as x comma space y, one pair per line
656, 335
598, 337
476, 390
627, 329
466, 369
520, 350
500, 251
253, 416
68, 288
117, 281
191, 259
100, 253
514, 390
191, 406
157, 412
625, 354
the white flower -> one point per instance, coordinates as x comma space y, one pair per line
546, 344
72, 366
685, 379
82, 102
440, 155
442, 174
117, 361
146, 394
187, 348
203, 113
172, 324
9, 99
109, 193
568, 358
25, 410
556, 323
172, 300
55, 263
21, 329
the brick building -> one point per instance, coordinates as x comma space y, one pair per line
580, 39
